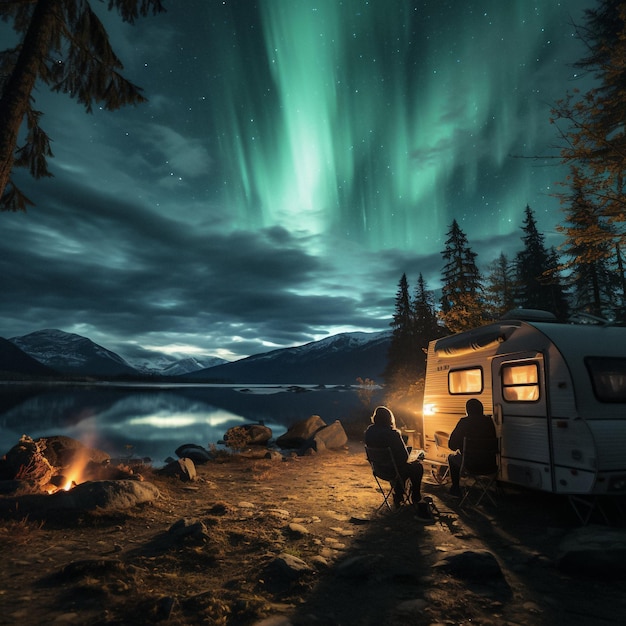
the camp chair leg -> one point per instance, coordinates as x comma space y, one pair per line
483, 485
584, 507
386, 493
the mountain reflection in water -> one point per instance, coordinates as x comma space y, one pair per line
152, 421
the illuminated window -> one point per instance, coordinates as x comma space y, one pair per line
608, 377
520, 382
466, 381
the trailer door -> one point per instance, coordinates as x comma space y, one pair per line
521, 417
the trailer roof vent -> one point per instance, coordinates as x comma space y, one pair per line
529, 315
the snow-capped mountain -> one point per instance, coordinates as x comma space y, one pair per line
191, 364
15, 361
166, 365
339, 359
69, 353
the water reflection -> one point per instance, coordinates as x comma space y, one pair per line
154, 421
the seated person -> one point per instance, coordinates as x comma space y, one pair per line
382, 433
475, 425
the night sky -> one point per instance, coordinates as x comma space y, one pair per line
294, 159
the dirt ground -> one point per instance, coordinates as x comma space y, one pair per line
362, 567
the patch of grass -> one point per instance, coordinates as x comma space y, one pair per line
19, 531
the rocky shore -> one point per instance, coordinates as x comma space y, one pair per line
299, 540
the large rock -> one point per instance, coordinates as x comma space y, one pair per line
595, 552
331, 437
247, 435
26, 461
196, 453
300, 432
471, 565
104, 495
62, 451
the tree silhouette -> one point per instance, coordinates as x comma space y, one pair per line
462, 307
500, 286
537, 270
425, 322
401, 354
65, 46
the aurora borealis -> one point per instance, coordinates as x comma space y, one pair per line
294, 159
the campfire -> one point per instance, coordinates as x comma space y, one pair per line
52, 464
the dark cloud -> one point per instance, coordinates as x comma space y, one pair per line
255, 202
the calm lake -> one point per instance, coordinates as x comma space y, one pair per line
153, 420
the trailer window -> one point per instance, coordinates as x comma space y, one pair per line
608, 378
520, 382
465, 381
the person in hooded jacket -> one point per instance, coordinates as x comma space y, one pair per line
475, 425
382, 433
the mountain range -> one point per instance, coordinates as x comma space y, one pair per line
339, 359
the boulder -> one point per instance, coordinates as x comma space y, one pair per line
193, 451
182, 468
300, 432
471, 565
284, 571
62, 451
103, 495
26, 461
247, 435
594, 552
330, 437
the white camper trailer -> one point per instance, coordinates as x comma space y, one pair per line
557, 394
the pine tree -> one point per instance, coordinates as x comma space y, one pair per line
500, 287
594, 135
401, 356
462, 306
65, 46
588, 248
425, 324
537, 273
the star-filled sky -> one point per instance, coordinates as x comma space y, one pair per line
294, 159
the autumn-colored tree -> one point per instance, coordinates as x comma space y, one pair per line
591, 124
64, 45
589, 253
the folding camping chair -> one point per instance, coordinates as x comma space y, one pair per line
479, 470
385, 469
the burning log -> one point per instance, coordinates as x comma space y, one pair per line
51, 464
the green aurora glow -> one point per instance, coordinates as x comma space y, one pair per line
382, 121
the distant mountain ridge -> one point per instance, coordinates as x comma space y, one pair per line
16, 361
339, 359
69, 353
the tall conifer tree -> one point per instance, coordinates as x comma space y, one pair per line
500, 287
462, 306
401, 356
538, 280
65, 46
588, 249
425, 324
